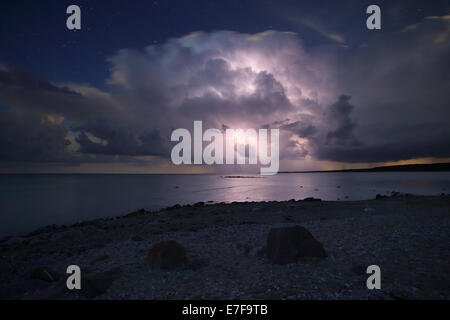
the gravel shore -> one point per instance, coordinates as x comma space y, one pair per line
407, 236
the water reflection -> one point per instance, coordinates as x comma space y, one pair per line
30, 201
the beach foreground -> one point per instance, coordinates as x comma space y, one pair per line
406, 236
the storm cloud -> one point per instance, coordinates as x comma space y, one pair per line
387, 100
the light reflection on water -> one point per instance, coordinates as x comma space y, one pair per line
31, 201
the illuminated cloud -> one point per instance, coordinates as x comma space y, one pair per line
385, 101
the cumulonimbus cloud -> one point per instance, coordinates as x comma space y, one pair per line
324, 110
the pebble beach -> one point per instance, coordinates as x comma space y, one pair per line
225, 243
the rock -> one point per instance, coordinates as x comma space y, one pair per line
167, 255
44, 273
93, 285
288, 244
176, 206
14, 241
45, 229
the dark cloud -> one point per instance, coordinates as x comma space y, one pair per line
342, 126
398, 83
303, 129
99, 137
30, 137
16, 78
389, 151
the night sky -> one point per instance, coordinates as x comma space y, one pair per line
105, 98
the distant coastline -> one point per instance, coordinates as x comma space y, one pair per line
400, 168
432, 167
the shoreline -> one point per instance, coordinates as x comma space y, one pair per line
52, 227
406, 235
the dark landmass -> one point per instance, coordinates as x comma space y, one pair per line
403, 168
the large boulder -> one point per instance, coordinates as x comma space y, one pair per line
44, 273
288, 244
167, 255
95, 284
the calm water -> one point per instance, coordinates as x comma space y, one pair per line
31, 201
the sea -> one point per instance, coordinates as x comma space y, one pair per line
30, 201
